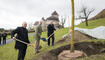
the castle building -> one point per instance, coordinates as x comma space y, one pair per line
54, 17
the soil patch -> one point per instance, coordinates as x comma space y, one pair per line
90, 48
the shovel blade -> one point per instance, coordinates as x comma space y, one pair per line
44, 39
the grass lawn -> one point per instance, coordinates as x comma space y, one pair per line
93, 23
8, 37
7, 52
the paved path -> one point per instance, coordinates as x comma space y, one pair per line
31, 34
11, 40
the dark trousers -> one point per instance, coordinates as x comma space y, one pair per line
0, 40
52, 40
4, 40
21, 54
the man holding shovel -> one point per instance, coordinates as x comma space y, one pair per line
22, 35
50, 33
38, 32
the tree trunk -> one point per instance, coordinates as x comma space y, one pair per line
62, 25
86, 20
72, 33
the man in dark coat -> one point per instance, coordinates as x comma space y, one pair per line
51, 29
4, 37
0, 37
22, 34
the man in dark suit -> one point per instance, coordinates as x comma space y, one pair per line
0, 37
51, 29
22, 34
4, 37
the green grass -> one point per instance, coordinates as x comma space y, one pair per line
93, 23
8, 37
94, 40
7, 52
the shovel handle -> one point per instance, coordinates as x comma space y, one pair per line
50, 35
22, 41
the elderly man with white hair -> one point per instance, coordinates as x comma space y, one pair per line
22, 34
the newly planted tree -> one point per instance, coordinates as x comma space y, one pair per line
72, 32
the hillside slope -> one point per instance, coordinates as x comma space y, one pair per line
93, 23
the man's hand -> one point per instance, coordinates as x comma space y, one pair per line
29, 44
40, 36
14, 38
33, 45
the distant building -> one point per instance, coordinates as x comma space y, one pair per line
54, 17
44, 24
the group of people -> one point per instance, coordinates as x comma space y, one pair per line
22, 34
3, 36
50, 34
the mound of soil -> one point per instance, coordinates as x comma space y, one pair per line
90, 48
78, 36
67, 55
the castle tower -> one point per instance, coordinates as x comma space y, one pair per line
55, 18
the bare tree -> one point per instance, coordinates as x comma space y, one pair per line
63, 20
30, 26
85, 13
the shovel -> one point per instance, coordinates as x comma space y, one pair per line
46, 39
25, 43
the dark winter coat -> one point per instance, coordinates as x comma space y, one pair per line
22, 34
50, 29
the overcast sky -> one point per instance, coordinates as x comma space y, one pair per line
14, 12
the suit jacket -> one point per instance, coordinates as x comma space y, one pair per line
22, 34
50, 29
38, 32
